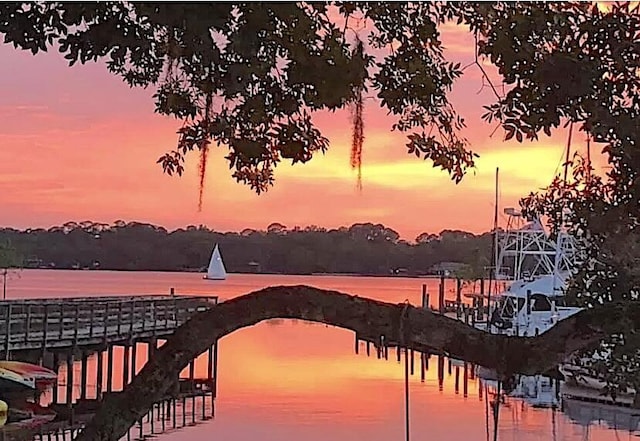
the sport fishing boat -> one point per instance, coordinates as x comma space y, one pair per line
538, 269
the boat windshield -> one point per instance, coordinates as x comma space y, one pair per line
560, 300
509, 306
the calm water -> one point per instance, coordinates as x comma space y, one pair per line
289, 380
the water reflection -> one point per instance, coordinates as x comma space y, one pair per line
291, 380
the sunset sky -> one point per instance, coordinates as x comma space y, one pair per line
79, 144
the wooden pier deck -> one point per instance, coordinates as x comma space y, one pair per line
49, 324
64, 334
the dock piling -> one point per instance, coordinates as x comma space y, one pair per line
83, 375
441, 294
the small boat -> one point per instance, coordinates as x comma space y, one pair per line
11, 381
216, 270
43, 377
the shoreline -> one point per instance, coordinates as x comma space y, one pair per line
405, 276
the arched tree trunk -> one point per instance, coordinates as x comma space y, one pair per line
370, 319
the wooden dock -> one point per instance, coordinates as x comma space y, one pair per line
64, 334
48, 324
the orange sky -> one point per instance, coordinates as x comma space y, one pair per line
78, 144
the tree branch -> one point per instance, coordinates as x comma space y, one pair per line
370, 319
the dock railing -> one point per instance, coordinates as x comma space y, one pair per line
63, 322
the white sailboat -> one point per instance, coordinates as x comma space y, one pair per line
216, 270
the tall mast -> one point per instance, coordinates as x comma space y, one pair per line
494, 248
559, 255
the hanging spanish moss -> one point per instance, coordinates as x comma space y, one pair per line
204, 149
202, 170
357, 138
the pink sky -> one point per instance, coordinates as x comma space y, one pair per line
79, 144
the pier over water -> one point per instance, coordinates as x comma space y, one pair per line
43, 324
97, 345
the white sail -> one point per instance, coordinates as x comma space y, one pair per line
216, 269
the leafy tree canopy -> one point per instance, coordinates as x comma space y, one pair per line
250, 75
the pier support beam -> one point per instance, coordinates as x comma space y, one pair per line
70, 360
99, 373
109, 369
125, 365
56, 362
83, 376
134, 356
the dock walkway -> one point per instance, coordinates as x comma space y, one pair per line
49, 324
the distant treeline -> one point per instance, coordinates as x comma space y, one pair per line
363, 248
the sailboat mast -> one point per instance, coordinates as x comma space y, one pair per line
559, 255
494, 247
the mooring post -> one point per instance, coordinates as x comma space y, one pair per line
163, 415
184, 410
109, 368
151, 347
70, 378
7, 339
425, 296
465, 380
83, 375
440, 372
125, 365
152, 419
458, 297
215, 371
411, 359
441, 294
204, 407
210, 371
174, 409
56, 361
192, 368
99, 371
134, 358
481, 301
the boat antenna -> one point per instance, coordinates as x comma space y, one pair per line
494, 257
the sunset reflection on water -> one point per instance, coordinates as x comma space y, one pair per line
290, 380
